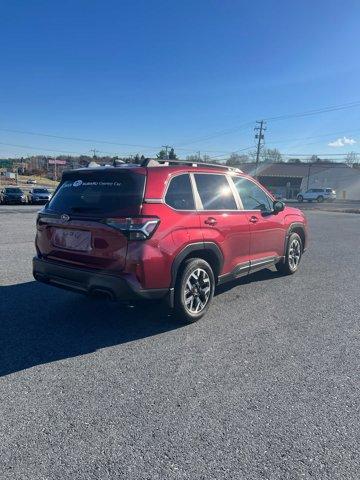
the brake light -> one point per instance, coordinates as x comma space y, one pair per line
135, 228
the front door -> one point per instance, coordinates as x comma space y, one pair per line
267, 230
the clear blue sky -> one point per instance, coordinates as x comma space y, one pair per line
155, 72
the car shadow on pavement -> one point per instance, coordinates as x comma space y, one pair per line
259, 276
41, 324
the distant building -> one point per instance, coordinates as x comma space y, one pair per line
288, 179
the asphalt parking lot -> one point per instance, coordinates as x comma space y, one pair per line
337, 206
265, 387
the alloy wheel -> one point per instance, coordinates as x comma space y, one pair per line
197, 290
294, 254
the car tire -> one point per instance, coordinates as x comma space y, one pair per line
190, 304
320, 199
293, 256
300, 198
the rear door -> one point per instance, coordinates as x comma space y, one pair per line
222, 221
72, 229
267, 230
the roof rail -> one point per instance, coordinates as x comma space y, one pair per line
150, 162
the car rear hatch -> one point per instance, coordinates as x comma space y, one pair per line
77, 226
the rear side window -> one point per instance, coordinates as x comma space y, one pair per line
179, 193
99, 193
215, 192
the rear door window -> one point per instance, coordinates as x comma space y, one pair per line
179, 194
104, 192
215, 192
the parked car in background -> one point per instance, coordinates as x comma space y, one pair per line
39, 195
163, 229
31, 181
318, 195
13, 195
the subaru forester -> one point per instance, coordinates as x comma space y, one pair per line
165, 229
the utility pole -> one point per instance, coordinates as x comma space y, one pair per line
166, 150
260, 128
199, 156
94, 152
308, 176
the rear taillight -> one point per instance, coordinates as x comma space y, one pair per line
135, 228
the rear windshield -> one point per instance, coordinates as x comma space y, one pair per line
107, 192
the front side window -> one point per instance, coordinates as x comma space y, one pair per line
179, 194
252, 196
215, 192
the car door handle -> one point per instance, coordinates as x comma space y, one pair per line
253, 219
210, 221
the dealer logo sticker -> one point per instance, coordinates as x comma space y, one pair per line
77, 183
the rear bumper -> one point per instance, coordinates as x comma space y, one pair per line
115, 287
14, 201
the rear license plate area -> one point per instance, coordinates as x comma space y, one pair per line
78, 240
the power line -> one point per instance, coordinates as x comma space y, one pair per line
199, 139
317, 111
76, 139
233, 151
314, 136
203, 138
54, 150
216, 134
28, 147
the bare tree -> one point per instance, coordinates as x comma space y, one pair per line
197, 158
351, 158
192, 158
271, 155
313, 159
236, 159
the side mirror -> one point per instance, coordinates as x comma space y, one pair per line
278, 206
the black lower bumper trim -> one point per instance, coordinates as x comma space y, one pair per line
93, 283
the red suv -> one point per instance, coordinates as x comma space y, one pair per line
164, 229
